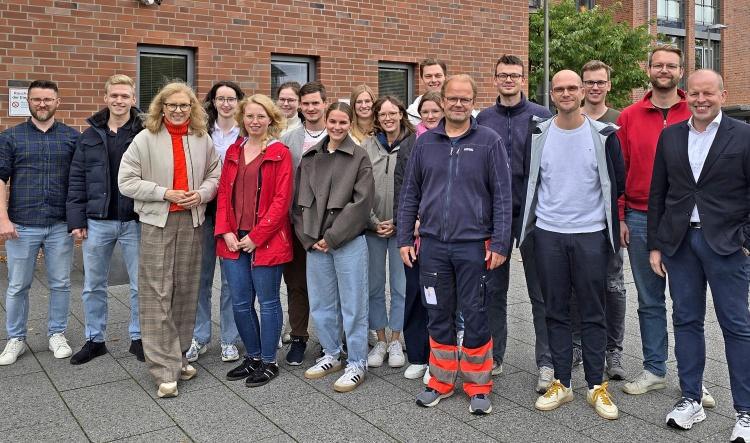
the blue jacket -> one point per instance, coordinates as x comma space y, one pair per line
512, 123
459, 188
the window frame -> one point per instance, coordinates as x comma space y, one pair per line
714, 4
310, 61
666, 20
187, 52
409, 68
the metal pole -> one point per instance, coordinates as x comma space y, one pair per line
708, 52
546, 54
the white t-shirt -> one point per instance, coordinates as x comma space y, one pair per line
311, 141
222, 141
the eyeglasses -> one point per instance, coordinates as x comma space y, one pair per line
287, 100
259, 117
503, 76
455, 100
668, 66
46, 100
229, 100
393, 115
172, 107
592, 83
561, 89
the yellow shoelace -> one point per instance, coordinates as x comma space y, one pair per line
601, 392
552, 390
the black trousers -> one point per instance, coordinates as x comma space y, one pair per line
415, 319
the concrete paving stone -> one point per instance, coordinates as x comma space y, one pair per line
523, 331
167, 435
38, 341
458, 405
628, 429
712, 425
139, 372
520, 311
319, 418
65, 376
215, 414
578, 414
283, 438
721, 436
521, 354
285, 386
65, 431
26, 364
373, 393
521, 424
518, 388
115, 410
716, 372
408, 422
30, 399
411, 387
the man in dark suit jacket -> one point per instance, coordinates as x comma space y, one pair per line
699, 231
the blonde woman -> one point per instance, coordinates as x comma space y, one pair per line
171, 171
363, 123
254, 234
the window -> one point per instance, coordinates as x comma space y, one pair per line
159, 65
535, 4
707, 57
670, 12
396, 79
706, 12
290, 68
585, 4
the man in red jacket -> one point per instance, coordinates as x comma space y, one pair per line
640, 127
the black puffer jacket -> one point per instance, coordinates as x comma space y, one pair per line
90, 183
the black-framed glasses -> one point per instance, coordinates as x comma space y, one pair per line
505, 76
592, 83
229, 100
172, 107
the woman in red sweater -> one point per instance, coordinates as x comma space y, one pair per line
254, 233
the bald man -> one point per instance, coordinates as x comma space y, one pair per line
574, 175
699, 233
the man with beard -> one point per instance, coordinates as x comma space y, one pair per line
640, 127
313, 105
458, 182
35, 156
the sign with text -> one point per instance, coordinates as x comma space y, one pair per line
18, 106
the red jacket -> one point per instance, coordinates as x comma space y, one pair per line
640, 126
272, 233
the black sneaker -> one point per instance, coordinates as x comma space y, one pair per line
247, 367
296, 353
265, 373
136, 348
90, 351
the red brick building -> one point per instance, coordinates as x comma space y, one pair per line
255, 43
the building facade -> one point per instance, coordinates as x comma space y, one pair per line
258, 44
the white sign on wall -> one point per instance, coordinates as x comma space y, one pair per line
18, 106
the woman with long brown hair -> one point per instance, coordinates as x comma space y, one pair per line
363, 121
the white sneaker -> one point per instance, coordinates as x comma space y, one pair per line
59, 346
13, 349
353, 377
646, 381
229, 352
323, 366
546, 377
377, 355
196, 349
707, 400
414, 372
395, 355
187, 372
167, 390
556, 396
426, 377
741, 431
685, 414
600, 400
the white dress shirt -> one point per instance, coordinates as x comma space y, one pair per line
698, 145
222, 141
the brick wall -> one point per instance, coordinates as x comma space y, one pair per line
80, 43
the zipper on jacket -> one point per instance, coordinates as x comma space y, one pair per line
387, 162
447, 195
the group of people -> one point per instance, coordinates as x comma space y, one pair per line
331, 196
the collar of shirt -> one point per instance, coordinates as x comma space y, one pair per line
711, 126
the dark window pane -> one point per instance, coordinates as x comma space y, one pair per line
283, 71
156, 71
395, 82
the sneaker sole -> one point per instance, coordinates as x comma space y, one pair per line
228, 359
321, 374
615, 376
294, 363
688, 425
397, 365
258, 384
15, 359
167, 394
184, 376
347, 388
603, 414
654, 387
64, 354
436, 401
480, 411
552, 406
414, 376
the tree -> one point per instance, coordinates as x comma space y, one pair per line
579, 36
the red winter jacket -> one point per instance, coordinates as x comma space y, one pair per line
272, 233
640, 126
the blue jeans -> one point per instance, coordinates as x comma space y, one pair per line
690, 268
97, 256
246, 282
58, 257
652, 309
202, 332
337, 288
377, 248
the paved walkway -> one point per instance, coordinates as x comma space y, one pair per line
113, 398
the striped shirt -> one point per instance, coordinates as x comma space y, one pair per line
37, 164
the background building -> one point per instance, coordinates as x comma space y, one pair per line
258, 44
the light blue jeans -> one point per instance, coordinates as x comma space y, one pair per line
652, 308
58, 257
97, 257
378, 248
202, 331
337, 288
